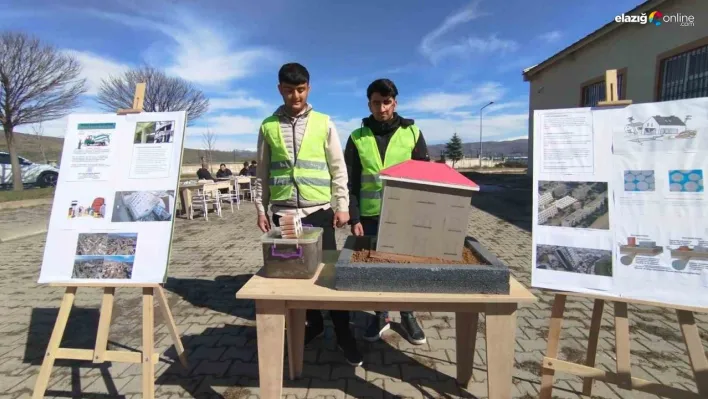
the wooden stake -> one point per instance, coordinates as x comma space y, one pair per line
612, 91
138, 100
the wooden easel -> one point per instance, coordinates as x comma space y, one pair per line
622, 378
100, 353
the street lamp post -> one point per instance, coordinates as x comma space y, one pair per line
480, 132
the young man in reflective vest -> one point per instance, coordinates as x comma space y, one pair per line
300, 170
384, 139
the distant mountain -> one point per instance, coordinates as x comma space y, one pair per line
518, 147
30, 147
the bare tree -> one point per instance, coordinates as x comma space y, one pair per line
163, 93
209, 142
37, 83
39, 133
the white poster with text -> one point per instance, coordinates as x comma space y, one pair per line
113, 212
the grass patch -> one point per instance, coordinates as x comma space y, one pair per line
26, 194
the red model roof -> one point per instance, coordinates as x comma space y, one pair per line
433, 173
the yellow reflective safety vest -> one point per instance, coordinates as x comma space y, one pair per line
399, 150
309, 172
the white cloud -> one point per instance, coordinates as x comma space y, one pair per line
434, 48
551, 37
95, 68
222, 143
226, 125
236, 100
198, 51
448, 103
516, 138
496, 127
56, 127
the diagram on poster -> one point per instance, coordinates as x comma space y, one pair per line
675, 126
118, 230
574, 260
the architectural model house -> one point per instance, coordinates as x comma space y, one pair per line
425, 209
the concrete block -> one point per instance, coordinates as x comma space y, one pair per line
432, 278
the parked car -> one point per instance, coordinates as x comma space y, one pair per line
32, 173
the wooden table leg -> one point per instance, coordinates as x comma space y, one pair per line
554, 332
296, 341
696, 353
270, 324
466, 331
500, 334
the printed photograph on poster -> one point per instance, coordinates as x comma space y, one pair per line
639, 181
93, 137
573, 204
689, 254
574, 260
642, 246
658, 127
106, 244
686, 181
103, 267
154, 132
94, 208
143, 206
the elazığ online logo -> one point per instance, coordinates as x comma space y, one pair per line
657, 18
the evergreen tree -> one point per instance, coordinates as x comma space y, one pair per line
453, 149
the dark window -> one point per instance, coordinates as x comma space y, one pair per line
684, 75
4, 159
595, 92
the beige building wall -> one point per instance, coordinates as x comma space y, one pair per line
636, 47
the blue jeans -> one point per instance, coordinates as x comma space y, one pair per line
371, 228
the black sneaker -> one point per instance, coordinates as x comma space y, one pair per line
312, 332
351, 352
377, 327
415, 334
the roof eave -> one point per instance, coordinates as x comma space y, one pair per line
529, 73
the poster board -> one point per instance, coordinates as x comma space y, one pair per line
114, 206
619, 206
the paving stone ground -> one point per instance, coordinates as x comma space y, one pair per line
212, 260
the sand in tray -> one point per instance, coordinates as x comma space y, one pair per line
290, 226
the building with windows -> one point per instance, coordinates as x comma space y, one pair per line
546, 214
545, 199
654, 63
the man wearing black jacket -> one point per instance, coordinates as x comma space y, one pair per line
384, 139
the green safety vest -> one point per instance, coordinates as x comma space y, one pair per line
399, 150
310, 172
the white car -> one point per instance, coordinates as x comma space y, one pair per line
32, 173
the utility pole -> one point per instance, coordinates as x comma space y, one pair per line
480, 132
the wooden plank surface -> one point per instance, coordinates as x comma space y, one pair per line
320, 288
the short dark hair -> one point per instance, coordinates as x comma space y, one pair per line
385, 87
223, 164
253, 162
294, 74
245, 163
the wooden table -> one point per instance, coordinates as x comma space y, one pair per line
281, 301
185, 193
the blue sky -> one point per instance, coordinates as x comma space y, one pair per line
447, 58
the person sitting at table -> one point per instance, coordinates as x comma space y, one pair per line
203, 173
252, 169
223, 171
244, 170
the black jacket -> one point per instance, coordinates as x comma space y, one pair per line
243, 172
382, 133
223, 173
203, 174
